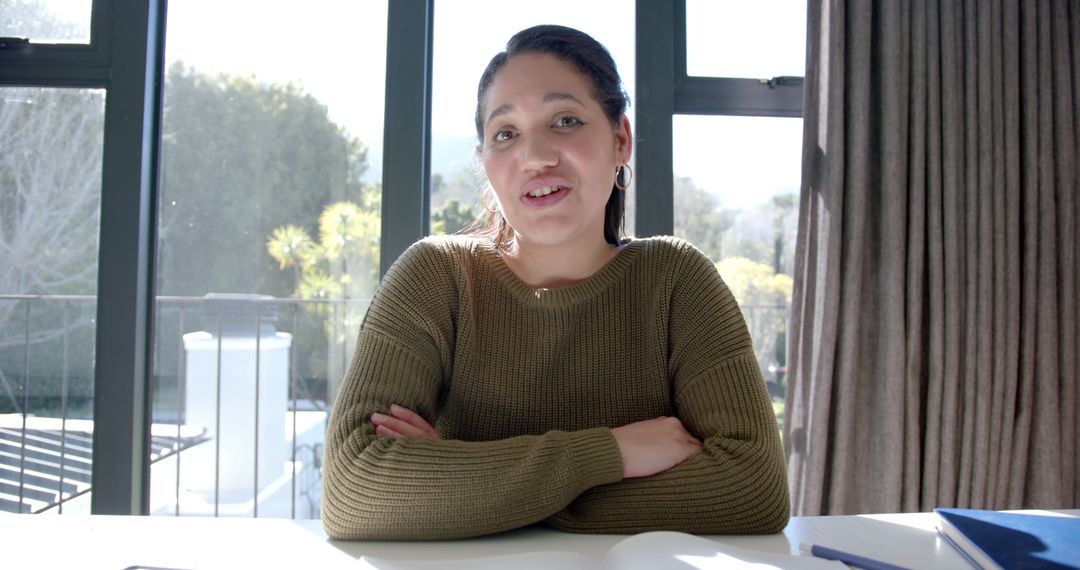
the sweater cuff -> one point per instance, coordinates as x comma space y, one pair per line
597, 457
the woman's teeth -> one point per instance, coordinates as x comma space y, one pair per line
539, 192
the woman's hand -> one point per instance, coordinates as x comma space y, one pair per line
402, 422
652, 446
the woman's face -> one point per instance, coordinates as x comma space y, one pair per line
549, 150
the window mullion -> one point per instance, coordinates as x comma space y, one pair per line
407, 138
655, 105
120, 473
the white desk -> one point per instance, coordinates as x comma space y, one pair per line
869, 535
115, 542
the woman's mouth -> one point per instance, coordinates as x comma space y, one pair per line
545, 196
544, 191
541, 192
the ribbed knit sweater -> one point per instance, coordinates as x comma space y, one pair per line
524, 384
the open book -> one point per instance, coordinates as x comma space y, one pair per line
660, 550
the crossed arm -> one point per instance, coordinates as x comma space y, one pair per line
731, 480
647, 447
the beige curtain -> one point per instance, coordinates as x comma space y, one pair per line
934, 331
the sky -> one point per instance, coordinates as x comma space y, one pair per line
336, 50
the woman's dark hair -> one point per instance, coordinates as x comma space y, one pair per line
593, 60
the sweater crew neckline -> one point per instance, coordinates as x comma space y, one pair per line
579, 292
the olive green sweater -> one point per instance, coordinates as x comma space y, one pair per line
523, 384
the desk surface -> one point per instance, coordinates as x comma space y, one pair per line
117, 542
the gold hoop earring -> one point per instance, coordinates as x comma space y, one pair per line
623, 176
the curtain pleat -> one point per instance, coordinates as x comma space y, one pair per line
934, 326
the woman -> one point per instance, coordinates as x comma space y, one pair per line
545, 370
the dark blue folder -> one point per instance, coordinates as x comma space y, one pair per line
994, 539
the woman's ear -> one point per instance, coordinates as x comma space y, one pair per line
624, 140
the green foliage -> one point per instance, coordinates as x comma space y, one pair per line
291, 246
699, 218
247, 168
755, 283
451, 218
348, 232
458, 197
345, 261
240, 158
764, 297
342, 265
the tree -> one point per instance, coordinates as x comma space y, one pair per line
240, 158
344, 262
50, 196
699, 217
342, 266
455, 200
35, 20
764, 297
50, 177
785, 222
764, 233
451, 218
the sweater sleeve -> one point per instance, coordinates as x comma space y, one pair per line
384, 488
738, 483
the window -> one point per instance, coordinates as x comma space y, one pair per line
736, 199
759, 39
268, 251
737, 159
460, 58
50, 197
266, 129
47, 21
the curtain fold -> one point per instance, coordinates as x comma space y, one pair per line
935, 325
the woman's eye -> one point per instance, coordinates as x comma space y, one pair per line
567, 121
502, 136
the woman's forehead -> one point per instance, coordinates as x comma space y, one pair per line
538, 78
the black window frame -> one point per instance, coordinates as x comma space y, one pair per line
124, 58
664, 90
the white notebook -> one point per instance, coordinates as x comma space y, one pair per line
660, 550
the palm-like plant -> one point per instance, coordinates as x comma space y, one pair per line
291, 246
319, 285
348, 233
348, 241
342, 264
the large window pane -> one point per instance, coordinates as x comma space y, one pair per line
50, 197
268, 245
735, 38
46, 21
736, 198
460, 59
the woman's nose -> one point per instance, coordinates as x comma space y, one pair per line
537, 153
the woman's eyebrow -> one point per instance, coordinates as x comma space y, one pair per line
499, 111
549, 98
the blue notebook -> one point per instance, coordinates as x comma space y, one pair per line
993, 539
